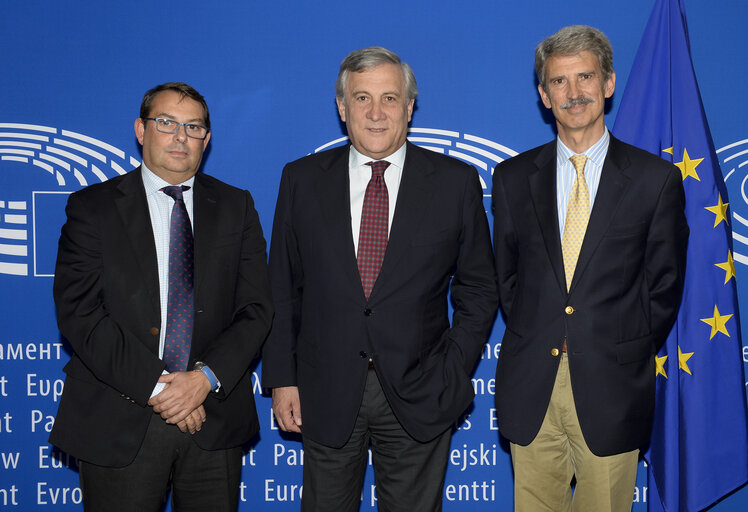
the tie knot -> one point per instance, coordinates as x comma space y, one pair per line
579, 161
378, 167
175, 191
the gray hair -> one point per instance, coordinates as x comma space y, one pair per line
368, 58
571, 41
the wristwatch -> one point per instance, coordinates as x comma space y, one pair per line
202, 367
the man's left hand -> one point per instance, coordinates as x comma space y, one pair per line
194, 421
184, 392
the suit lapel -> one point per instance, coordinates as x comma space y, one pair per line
205, 205
613, 183
543, 192
416, 188
333, 191
133, 209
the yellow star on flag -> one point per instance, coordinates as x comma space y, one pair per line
728, 266
682, 359
717, 323
719, 210
660, 366
688, 166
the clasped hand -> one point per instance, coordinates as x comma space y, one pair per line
181, 401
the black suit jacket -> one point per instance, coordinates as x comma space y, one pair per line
325, 331
622, 302
107, 295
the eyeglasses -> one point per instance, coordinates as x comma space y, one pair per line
165, 125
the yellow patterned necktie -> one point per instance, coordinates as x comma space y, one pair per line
577, 216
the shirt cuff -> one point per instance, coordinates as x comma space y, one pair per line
159, 387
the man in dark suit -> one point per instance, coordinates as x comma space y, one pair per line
163, 323
367, 240
590, 240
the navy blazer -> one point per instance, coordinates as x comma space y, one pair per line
622, 302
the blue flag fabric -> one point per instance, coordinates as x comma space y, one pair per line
699, 446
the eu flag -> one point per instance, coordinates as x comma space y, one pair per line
699, 446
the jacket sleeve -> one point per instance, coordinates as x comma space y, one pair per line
665, 258
505, 244
286, 275
473, 287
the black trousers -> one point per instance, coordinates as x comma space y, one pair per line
200, 480
409, 475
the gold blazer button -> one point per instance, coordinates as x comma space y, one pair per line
569, 310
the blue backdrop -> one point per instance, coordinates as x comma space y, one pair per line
73, 75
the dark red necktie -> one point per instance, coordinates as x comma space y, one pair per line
372, 239
180, 308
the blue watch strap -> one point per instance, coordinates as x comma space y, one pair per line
214, 385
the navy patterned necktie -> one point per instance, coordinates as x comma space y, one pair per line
180, 308
372, 239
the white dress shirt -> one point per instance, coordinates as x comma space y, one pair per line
159, 207
359, 177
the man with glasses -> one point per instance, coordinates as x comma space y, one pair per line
162, 291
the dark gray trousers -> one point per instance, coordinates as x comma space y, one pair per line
409, 475
199, 479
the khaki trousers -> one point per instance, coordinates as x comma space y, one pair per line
543, 470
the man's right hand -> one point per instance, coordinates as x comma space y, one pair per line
287, 408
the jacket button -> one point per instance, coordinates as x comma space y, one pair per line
154, 331
363, 355
554, 352
569, 310
367, 312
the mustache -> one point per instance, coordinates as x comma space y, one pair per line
582, 100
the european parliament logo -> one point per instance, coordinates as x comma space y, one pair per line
734, 162
482, 153
39, 167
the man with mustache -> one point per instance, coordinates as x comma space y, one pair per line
590, 239
162, 290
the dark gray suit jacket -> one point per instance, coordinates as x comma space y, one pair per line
325, 331
107, 295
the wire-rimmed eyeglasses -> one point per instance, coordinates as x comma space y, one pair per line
166, 125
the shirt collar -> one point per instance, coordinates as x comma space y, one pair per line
397, 158
596, 152
154, 183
